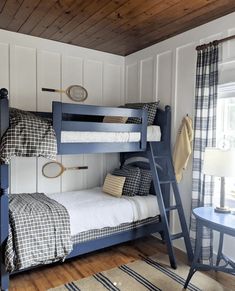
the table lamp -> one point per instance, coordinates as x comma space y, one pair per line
220, 163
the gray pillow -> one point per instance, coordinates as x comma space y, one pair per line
145, 182
151, 108
132, 182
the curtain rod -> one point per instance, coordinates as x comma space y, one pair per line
200, 47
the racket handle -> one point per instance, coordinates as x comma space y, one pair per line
48, 90
83, 168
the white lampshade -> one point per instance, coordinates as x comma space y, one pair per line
219, 162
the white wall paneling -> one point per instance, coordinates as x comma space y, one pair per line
48, 76
23, 77
164, 77
231, 44
23, 175
146, 79
23, 95
132, 82
93, 80
74, 179
27, 65
175, 79
4, 60
113, 94
72, 74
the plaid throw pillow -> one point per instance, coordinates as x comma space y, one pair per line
151, 108
145, 182
132, 182
28, 136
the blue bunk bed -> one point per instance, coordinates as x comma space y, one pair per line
72, 117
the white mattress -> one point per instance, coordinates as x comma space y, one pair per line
153, 134
92, 209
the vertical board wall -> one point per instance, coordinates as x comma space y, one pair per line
166, 71
30, 63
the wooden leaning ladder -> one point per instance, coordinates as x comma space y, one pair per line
168, 179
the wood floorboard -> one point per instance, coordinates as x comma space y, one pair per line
54, 275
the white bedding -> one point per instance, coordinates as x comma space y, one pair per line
153, 134
92, 209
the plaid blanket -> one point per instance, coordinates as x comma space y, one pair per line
39, 231
28, 136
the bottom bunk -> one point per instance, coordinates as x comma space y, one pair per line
96, 220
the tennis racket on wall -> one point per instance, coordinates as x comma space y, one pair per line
75, 92
55, 169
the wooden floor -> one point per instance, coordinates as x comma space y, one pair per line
86, 265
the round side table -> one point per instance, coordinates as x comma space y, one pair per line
224, 224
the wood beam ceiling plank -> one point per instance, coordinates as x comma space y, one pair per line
36, 16
52, 14
114, 33
159, 21
64, 18
84, 12
27, 7
179, 26
93, 20
8, 11
109, 21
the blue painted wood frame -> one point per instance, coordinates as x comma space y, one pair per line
60, 124
4, 217
162, 119
108, 241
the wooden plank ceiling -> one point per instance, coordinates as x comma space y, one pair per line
119, 26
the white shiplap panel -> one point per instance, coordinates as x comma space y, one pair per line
112, 162
23, 175
112, 97
95, 170
231, 45
93, 81
185, 96
132, 83
4, 67
23, 77
146, 79
23, 96
73, 179
185, 78
72, 74
112, 85
164, 77
48, 76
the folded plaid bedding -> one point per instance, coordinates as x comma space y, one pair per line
39, 231
28, 136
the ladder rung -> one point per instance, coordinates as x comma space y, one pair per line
176, 236
172, 208
167, 181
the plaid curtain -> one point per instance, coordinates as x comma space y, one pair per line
204, 136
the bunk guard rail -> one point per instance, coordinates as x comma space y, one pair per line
61, 124
162, 119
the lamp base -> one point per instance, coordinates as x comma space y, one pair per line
222, 209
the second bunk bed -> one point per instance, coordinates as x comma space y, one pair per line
79, 129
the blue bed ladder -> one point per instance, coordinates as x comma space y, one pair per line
169, 179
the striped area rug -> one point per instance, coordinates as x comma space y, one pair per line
151, 273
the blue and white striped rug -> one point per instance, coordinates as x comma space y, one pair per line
151, 273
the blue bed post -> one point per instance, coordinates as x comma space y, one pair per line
4, 216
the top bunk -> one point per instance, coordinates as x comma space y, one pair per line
81, 129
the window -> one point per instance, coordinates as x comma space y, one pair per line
225, 135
